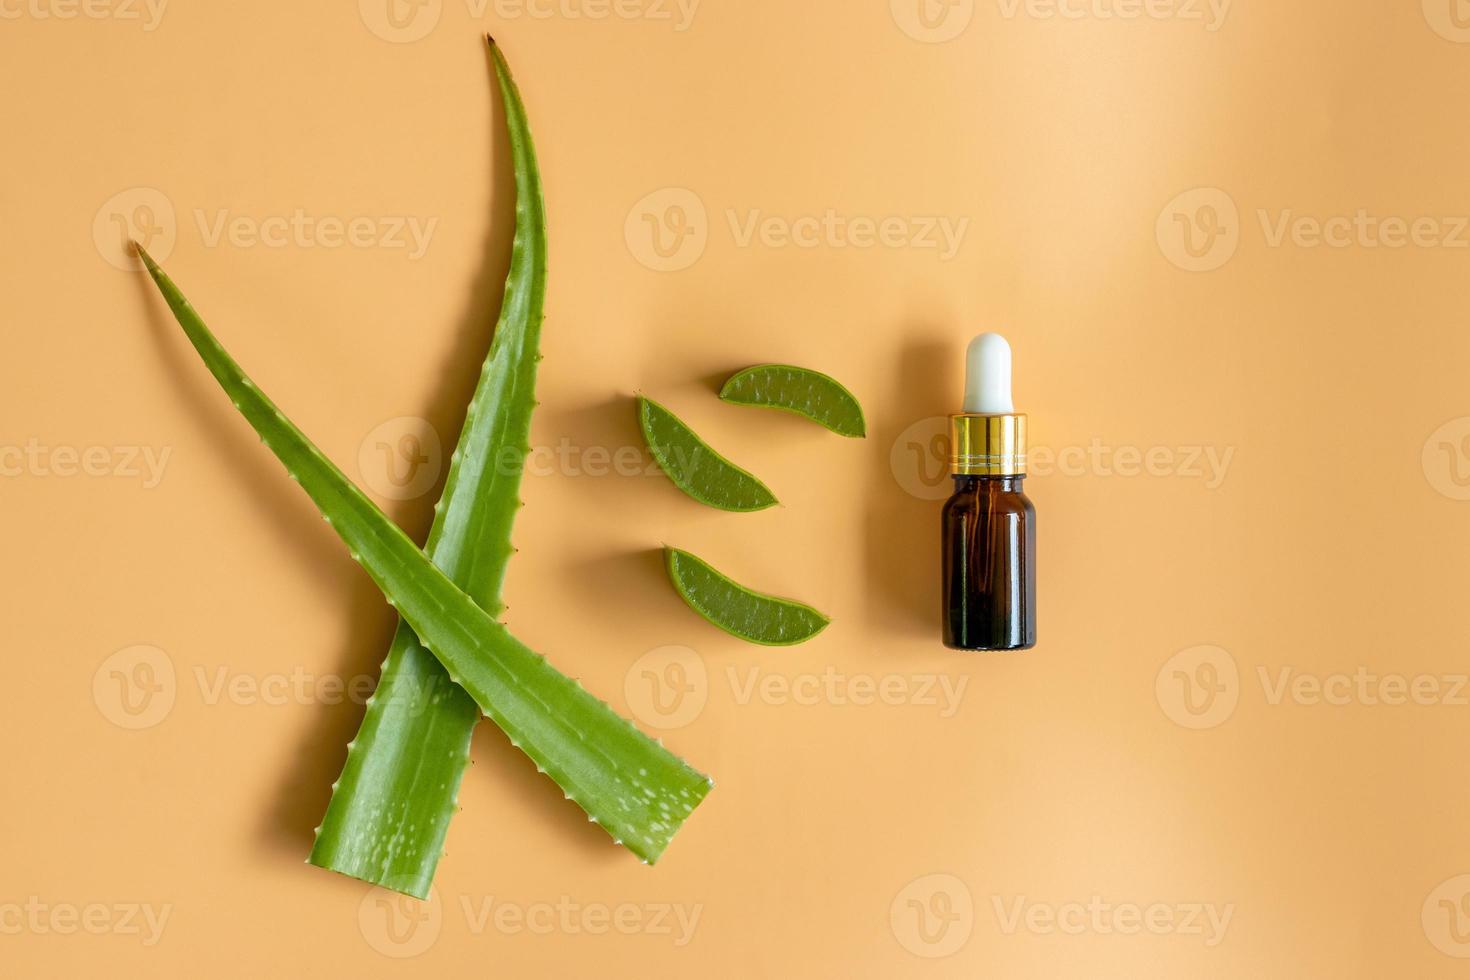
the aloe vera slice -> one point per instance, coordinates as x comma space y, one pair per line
765, 619
805, 392
399, 788
694, 467
629, 784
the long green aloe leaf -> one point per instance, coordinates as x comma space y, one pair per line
391, 806
629, 784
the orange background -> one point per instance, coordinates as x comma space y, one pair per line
1145, 755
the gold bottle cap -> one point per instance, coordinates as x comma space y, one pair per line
988, 445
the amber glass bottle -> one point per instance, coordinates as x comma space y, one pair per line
989, 527
989, 569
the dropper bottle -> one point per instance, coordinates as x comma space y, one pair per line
989, 540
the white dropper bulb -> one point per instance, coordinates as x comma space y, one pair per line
988, 376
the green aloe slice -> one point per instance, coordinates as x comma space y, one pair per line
629, 784
765, 619
803, 391
391, 807
694, 467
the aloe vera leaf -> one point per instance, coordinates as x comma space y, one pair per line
632, 786
754, 616
391, 806
802, 391
694, 467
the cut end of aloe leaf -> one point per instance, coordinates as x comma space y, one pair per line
657, 829
740, 611
801, 391
696, 468
410, 884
